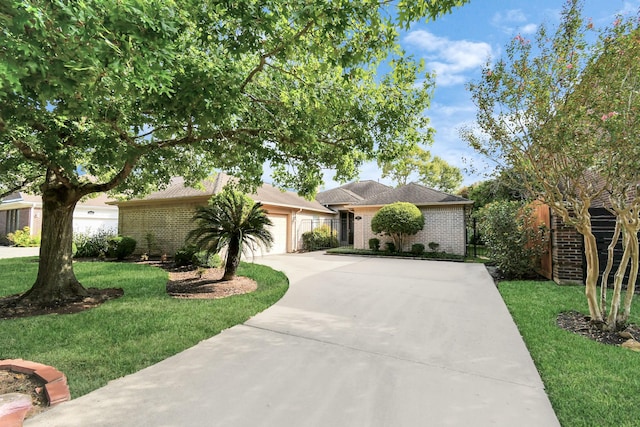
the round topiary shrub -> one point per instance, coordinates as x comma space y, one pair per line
121, 247
398, 220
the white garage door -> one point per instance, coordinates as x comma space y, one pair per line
279, 232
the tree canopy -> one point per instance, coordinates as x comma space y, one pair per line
432, 171
122, 95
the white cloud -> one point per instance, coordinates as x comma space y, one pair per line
450, 59
513, 21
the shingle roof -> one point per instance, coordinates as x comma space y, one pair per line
99, 201
414, 193
266, 194
351, 193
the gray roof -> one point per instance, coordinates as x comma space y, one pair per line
266, 194
351, 193
414, 193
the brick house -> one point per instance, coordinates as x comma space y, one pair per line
445, 217
19, 210
167, 214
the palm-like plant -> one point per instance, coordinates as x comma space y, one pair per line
234, 221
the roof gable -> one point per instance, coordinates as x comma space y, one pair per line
265, 194
352, 192
414, 193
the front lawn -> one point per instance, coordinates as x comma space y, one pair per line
588, 383
124, 335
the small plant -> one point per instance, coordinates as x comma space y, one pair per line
374, 244
205, 259
434, 246
200, 272
23, 238
152, 243
93, 245
390, 246
417, 249
121, 247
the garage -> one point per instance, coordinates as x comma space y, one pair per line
279, 232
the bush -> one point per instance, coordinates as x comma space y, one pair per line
121, 247
210, 260
417, 249
189, 255
512, 240
398, 220
434, 246
374, 244
184, 256
320, 238
390, 246
23, 238
93, 245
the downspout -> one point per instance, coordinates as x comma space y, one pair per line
294, 226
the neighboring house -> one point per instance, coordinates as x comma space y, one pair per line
445, 217
19, 210
340, 199
166, 215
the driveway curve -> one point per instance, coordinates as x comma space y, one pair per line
355, 342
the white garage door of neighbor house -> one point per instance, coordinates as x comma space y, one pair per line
279, 232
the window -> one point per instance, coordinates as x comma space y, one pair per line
13, 220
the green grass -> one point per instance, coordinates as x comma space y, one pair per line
425, 255
588, 383
125, 335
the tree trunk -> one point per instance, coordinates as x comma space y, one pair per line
609, 267
233, 259
591, 281
633, 275
56, 281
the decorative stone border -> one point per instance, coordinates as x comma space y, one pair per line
56, 388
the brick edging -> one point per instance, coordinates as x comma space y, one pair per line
55, 387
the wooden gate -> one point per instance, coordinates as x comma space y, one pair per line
542, 217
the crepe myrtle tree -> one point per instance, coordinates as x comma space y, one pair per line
398, 220
563, 120
105, 96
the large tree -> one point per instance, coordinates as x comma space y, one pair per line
546, 113
119, 96
429, 170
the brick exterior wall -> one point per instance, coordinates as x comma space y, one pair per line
567, 253
169, 224
443, 225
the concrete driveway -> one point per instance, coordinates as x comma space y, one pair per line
15, 252
355, 342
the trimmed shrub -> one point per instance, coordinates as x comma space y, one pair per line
398, 220
417, 249
374, 244
390, 246
190, 255
23, 238
184, 256
320, 238
121, 247
434, 246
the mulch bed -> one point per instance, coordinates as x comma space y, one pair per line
580, 324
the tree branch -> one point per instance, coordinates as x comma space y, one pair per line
271, 53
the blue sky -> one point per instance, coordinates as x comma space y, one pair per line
457, 45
